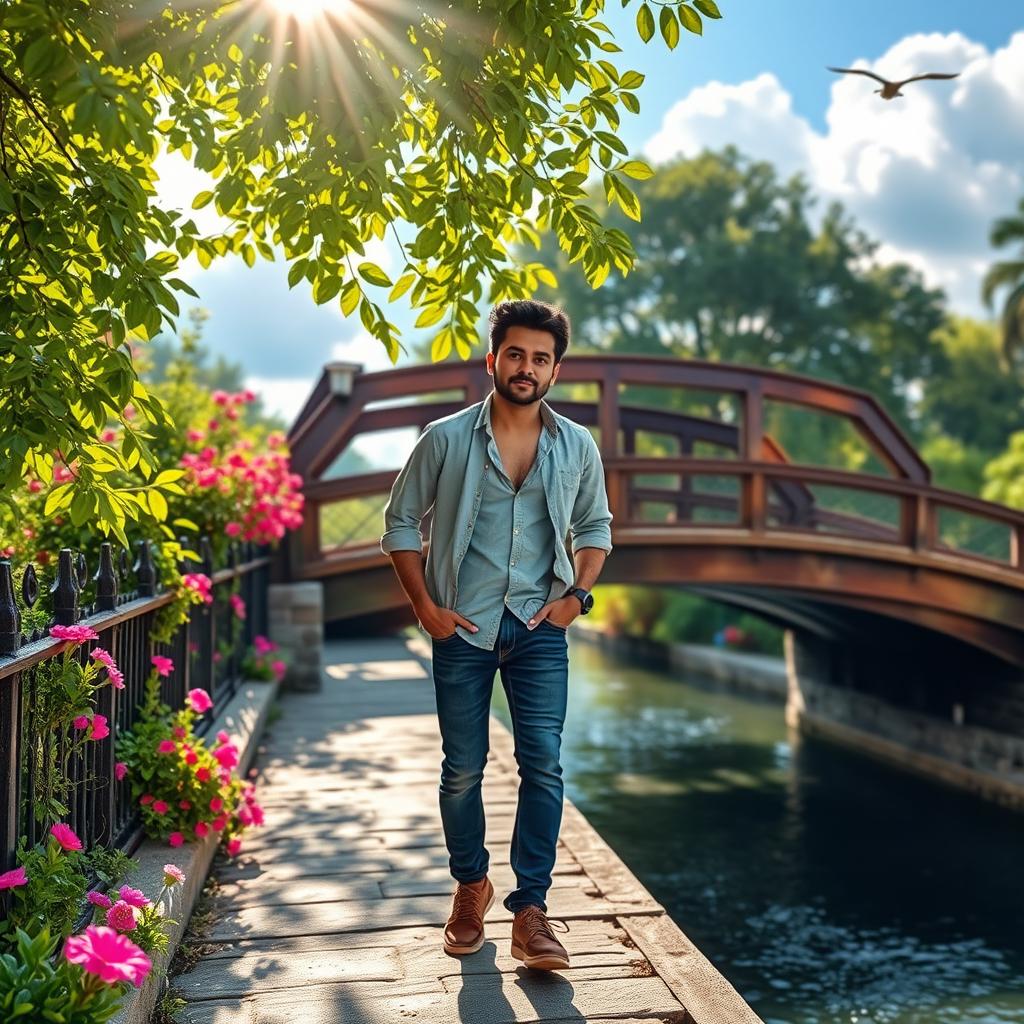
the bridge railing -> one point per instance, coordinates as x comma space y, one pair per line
722, 471
125, 601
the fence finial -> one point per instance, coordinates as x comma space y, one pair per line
106, 580
206, 555
145, 571
64, 590
10, 617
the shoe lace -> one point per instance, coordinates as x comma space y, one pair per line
535, 919
465, 901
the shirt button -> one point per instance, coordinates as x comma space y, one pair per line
516, 530
513, 562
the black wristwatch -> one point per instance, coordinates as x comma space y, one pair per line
585, 598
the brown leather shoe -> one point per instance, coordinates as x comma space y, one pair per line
464, 932
534, 942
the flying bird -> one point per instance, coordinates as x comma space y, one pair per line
890, 90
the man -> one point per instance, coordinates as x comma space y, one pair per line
508, 478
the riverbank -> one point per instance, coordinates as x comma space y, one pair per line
754, 675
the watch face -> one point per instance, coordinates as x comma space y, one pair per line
588, 602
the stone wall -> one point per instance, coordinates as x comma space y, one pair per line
296, 613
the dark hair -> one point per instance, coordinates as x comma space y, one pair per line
539, 316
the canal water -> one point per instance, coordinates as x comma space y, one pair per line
826, 887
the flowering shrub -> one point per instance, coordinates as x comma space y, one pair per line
258, 663
184, 788
65, 701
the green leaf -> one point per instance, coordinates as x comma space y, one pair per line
402, 285
691, 21
636, 169
158, 505
430, 316
708, 8
631, 80
373, 274
350, 297
325, 289
627, 200
645, 23
201, 200
669, 25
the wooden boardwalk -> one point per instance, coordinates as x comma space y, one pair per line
334, 913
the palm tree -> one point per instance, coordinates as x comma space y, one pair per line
1008, 274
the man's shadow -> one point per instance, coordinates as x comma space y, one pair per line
482, 996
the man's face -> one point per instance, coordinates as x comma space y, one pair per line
524, 367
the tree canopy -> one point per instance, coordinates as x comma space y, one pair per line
470, 125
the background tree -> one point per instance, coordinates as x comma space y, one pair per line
1008, 274
734, 265
453, 120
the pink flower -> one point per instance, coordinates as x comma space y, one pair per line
202, 829
244, 814
166, 747
81, 722
263, 645
160, 807
199, 700
164, 666
120, 770
185, 805
213, 424
220, 397
190, 756
237, 606
200, 583
99, 899
66, 837
203, 773
257, 813
233, 529
194, 436
279, 668
146, 798
173, 875
223, 736
234, 845
179, 732
74, 634
101, 951
219, 823
175, 839
121, 916
216, 804
227, 756
135, 897
12, 879
106, 660
99, 730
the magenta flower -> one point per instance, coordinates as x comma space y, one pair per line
223, 736
202, 829
216, 804
107, 661
74, 634
173, 875
185, 805
233, 846
99, 730
175, 839
12, 879
179, 733
263, 645
203, 773
279, 668
166, 747
133, 897
122, 917
99, 899
101, 951
146, 798
227, 756
219, 823
66, 837
237, 606
232, 529
190, 756
199, 700
81, 722
160, 807
120, 770
164, 666
200, 583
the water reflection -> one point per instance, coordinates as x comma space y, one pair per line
826, 887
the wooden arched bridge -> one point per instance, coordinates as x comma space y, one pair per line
715, 483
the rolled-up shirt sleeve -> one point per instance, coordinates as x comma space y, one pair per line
590, 521
412, 495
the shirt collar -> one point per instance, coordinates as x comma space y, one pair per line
484, 416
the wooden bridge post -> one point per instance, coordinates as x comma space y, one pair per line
608, 421
755, 503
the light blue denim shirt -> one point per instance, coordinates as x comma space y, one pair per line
445, 472
511, 555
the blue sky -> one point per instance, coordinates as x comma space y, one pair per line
925, 175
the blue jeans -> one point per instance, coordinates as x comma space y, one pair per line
534, 667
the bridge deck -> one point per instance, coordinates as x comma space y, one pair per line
336, 910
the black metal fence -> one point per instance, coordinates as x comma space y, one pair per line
208, 651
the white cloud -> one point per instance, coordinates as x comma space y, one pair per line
925, 174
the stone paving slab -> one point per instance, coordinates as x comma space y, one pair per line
335, 911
